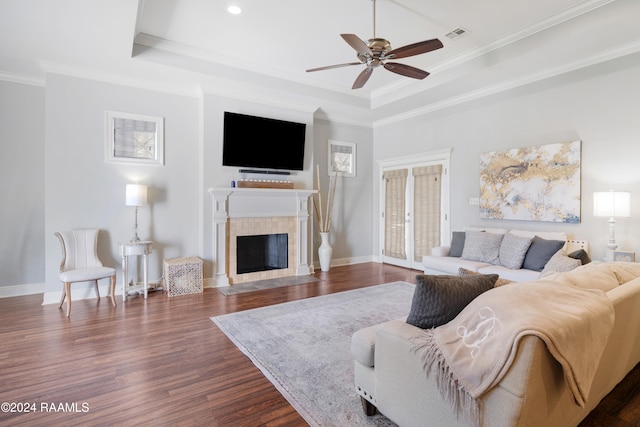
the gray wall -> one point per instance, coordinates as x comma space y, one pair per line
598, 105
81, 190
351, 220
54, 175
21, 184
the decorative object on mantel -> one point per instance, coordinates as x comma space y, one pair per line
325, 251
264, 183
539, 183
136, 195
612, 204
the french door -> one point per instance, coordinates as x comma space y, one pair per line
414, 214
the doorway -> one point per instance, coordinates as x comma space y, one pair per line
414, 207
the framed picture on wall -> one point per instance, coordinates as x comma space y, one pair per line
342, 158
624, 256
134, 139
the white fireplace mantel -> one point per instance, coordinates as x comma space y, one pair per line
231, 202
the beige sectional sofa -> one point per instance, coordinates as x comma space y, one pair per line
390, 375
441, 262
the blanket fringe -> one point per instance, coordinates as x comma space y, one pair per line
448, 385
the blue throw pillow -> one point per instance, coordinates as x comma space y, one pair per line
540, 252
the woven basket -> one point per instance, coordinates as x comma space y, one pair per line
182, 276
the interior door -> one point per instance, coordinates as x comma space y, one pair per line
414, 211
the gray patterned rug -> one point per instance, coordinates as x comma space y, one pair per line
303, 348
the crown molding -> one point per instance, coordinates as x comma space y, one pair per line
628, 49
22, 79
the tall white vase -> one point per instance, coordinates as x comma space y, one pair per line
325, 251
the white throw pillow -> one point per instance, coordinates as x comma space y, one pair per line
560, 263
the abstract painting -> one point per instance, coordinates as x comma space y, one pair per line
539, 183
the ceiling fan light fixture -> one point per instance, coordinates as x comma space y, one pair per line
377, 51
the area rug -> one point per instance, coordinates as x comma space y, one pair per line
266, 284
303, 348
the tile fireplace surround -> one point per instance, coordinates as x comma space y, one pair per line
258, 211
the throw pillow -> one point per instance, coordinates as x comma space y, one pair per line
482, 247
540, 252
438, 299
559, 263
582, 255
457, 244
499, 282
513, 250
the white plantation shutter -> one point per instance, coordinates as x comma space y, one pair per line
394, 213
426, 217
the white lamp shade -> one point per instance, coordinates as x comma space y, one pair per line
612, 204
136, 195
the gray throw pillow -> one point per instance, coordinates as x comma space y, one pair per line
513, 250
438, 299
540, 252
482, 247
580, 254
457, 244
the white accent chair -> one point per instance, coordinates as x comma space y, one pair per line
80, 263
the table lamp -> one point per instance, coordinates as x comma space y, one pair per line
136, 195
612, 204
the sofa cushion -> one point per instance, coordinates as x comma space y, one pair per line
513, 250
580, 254
363, 344
450, 265
457, 244
499, 282
520, 275
560, 263
481, 246
540, 252
438, 299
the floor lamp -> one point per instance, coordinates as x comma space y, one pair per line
612, 204
136, 195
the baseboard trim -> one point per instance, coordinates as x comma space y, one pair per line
337, 262
20, 290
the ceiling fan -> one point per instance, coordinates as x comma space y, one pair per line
378, 51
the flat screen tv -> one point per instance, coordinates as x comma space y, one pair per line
262, 143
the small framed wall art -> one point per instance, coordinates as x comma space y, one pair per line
342, 158
134, 139
624, 256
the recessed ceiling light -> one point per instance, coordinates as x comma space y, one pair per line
234, 10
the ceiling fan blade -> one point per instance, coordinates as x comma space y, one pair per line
415, 49
362, 78
329, 67
355, 42
406, 70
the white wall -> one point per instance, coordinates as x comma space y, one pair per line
21, 186
598, 105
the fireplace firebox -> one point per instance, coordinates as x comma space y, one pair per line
262, 253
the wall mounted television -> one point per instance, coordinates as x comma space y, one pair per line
262, 143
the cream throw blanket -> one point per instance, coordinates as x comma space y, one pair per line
475, 350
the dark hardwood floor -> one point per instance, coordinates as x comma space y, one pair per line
162, 362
